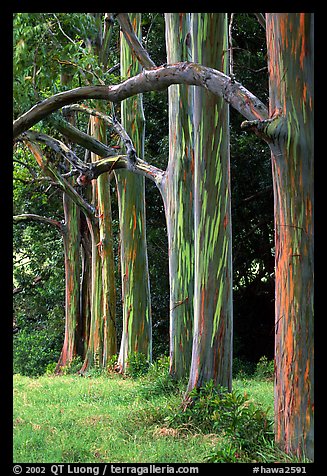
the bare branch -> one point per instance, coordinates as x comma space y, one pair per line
261, 19
37, 218
111, 121
51, 171
230, 41
133, 42
81, 138
153, 80
121, 162
59, 147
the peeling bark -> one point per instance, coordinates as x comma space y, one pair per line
137, 326
71, 238
177, 191
212, 341
152, 80
291, 139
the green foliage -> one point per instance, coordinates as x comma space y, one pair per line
73, 367
210, 409
137, 365
227, 453
50, 369
157, 381
265, 369
112, 363
34, 351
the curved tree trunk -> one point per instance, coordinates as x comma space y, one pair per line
290, 134
178, 198
212, 342
137, 326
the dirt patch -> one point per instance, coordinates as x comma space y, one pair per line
164, 432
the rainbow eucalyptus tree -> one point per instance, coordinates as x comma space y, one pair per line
105, 249
289, 132
212, 341
288, 129
70, 230
137, 326
177, 192
72, 345
102, 336
102, 339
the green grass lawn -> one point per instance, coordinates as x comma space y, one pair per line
72, 419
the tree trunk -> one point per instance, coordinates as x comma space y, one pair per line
95, 347
290, 52
71, 239
212, 342
177, 191
105, 248
86, 285
137, 327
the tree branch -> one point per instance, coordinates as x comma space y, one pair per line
261, 19
58, 146
81, 138
51, 171
112, 122
133, 42
131, 161
121, 162
153, 80
37, 218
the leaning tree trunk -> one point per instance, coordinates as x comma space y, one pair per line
137, 327
290, 134
212, 342
177, 192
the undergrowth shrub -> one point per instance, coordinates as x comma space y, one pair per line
214, 409
264, 369
137, 365
158, 381
74, 366
33, 351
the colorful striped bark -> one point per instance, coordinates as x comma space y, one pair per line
95, 347
71, 238
85, 298
137, 328
290, 134
105, 248
212, 342
177, 191
102, 343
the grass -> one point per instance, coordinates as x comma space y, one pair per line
70, 419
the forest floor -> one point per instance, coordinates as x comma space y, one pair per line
70, 419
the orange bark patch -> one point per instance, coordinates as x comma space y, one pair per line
225, 221
134, 220
302, 36
305, 89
